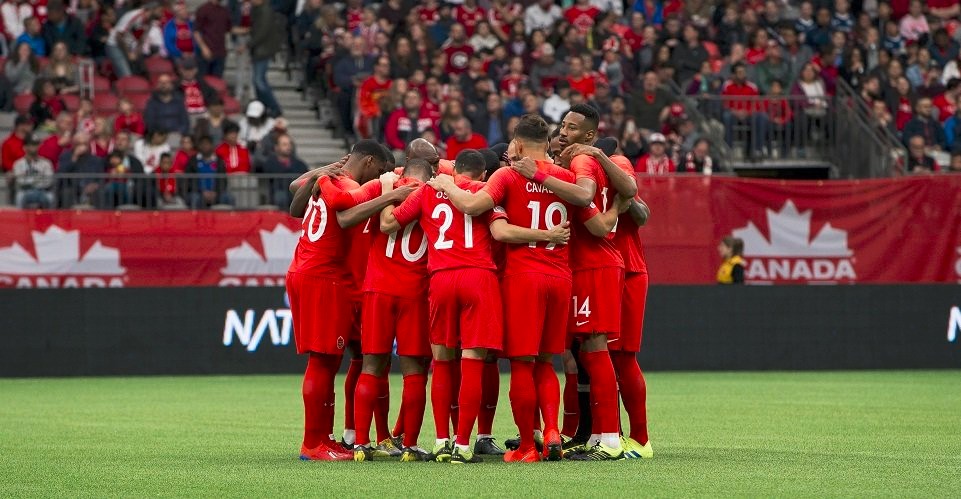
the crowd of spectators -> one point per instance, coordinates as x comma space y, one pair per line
174, 119
459, 74
402, 69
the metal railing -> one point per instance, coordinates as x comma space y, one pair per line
864, 149
771, 128
168, 191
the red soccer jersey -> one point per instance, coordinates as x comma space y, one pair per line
627, 236
361, 235
582, 18
454, 240
528, 204
371, 92
193, 97
454, 146
427, 15
184, 38
746, 89
497, 21
946, 107
469, 17
585, 85
323, 244
354, 18
458, 56
397, 263
511, 84
588, 251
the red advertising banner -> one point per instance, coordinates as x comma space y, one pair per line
871, 231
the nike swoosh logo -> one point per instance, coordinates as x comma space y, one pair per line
579, 323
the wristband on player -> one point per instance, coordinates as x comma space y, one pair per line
539, 177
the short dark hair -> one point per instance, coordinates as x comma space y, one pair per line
590, 114
389, 155
231, 127
418, 168
532, 127
470, 161
369, 147
115, 154
205, 138
735, 243
492, 161
164, 155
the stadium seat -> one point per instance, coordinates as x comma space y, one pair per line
22, 103
156, 65
71, 101
105, 104
217, 84
231, 106
130, 85
101, 85
139, 101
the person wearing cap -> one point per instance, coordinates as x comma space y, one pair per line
33, 176
656, 161
255, 124
13, 147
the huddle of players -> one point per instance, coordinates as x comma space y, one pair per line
428, 278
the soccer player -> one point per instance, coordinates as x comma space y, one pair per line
598, 269
624, 349
536, 283
318, 284
395, 307
464, 296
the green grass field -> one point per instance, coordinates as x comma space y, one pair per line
715, 434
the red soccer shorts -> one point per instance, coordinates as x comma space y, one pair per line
386, 317
535, 307
322, 313
632, 314
465, 309
596, 302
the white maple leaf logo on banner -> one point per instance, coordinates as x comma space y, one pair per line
790, 236
279, 245
58, 253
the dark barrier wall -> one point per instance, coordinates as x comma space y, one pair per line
248, 330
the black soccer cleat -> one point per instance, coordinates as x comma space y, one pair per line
487, 446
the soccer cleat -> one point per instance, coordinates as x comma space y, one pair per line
630, 452
363, 453
345, 445
600, 452
574, 446
515, 443
398, 441
413, 454
553, 446
442, 452
522, 456
324, 453
487, 446
386, 448
460, 456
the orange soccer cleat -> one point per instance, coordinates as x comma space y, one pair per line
553, 446
323, 452
529, 455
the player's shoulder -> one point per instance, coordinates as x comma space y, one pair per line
344, 183
585, 166
623, 163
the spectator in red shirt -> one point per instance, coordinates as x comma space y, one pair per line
167, 182
468, 14
741, 105
457, 51
184, 154
409, 122
946, 101
179, 33
780, 115
581, 15
13, 146
54, 145
464, 138
374, 88
581, 81
656, 161
235, 156
195, 91
128, 120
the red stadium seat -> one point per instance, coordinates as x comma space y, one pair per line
139, 101
231, 106
22, 103
105, 104
217, 84
71, 102
130, 85
101, 85
156, 65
